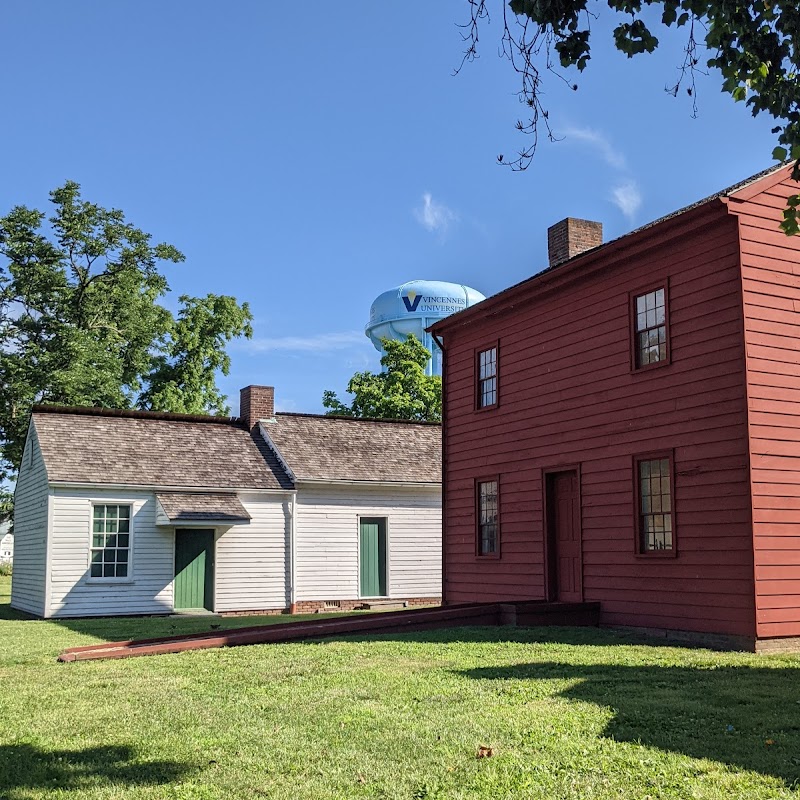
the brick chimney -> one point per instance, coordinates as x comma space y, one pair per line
255, 403
570, 237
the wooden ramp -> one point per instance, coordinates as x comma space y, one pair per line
526, 613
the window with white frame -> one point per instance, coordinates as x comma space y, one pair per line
111, 541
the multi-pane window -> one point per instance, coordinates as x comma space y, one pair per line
651, 328
111, 541
487, 518
655, 505
487, 377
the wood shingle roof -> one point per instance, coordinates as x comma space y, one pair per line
194, 507
319, 448
99, 446
106, 446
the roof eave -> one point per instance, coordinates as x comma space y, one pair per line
352, 482
160, 487
211, 522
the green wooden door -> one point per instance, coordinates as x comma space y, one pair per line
194, 569
373, 557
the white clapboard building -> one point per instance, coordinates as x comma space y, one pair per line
6, 543
131, 512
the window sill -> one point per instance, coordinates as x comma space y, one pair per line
111, 581
658, 554
488, 557
481, 409
651, 367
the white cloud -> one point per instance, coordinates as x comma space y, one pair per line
627, 197
434, 217
612, 156
625, 192
318, 343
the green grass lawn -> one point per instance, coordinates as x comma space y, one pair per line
567, 713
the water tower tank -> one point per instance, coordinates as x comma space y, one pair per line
414, 306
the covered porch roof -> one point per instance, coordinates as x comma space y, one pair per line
199, 508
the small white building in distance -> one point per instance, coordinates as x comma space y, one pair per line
6, 543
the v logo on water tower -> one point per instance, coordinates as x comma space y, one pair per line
411, 301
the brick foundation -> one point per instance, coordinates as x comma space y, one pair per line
316, 606
788, 644
713, 641
261, 612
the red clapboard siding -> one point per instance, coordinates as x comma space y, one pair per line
727, 407
776, 630
785, 601
567, 396
771, 293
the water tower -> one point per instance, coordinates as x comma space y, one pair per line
414, 306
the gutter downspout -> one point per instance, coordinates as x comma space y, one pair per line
444, 466
292, 558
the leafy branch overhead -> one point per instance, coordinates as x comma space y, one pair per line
401, 391
753, 44
81, 322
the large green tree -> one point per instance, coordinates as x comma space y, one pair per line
754, 46
183, 378
81, 321
402, 391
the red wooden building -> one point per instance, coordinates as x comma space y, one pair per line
624, 427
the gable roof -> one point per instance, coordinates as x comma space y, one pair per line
492, 305
95, 445
323, 448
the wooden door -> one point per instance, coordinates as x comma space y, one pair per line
372, 557
194, 569
565, 570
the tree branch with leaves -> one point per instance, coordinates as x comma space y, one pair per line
754, 44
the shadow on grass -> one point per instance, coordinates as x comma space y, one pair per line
112, 629
748, 717
493, 634
25, 766
8, 613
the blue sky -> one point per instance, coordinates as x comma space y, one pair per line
306, 162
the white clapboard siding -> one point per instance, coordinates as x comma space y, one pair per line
148, 587
30, 531
251, 572
328, 540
